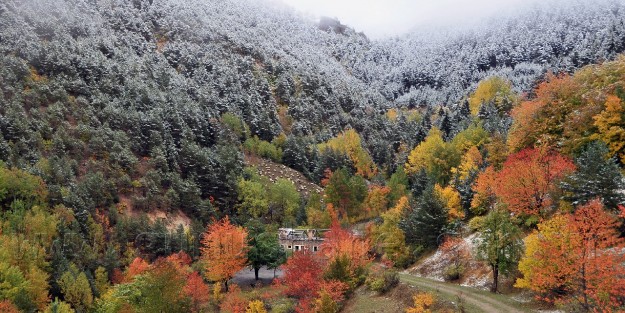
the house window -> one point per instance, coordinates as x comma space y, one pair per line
297, 248
290, 247
314, 248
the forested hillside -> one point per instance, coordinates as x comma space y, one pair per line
116, 116
441, 65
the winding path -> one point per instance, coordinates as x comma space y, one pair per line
469, 295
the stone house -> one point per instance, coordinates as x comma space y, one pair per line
301, 239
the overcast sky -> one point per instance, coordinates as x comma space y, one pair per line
378, 18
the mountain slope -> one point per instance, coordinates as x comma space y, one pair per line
124, 93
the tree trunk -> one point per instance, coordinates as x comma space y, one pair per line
584, 285
226, 284
256, 272
495, 277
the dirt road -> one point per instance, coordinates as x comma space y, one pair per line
476, 298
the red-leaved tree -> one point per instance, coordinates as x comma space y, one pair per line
302, 275
340, 242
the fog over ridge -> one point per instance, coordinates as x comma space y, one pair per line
384, 18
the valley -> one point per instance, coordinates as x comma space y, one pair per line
243, 156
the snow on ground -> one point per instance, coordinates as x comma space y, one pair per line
476, 273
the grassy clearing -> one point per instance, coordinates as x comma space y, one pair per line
398, 300
366, 302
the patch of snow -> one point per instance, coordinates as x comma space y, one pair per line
521, 299
476, 273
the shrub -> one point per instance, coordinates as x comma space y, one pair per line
382, 280
403, 261
476, 223
263, 149
283, 307
453, 272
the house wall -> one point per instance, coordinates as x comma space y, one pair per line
299, 245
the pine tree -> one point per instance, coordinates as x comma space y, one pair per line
426, 220
597, 176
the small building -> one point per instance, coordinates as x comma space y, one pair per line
301, 239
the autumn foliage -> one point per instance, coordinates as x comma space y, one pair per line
233, 301
137, 267
340, 242
349, 144
610, 125
303, 280
577, 258
224, 250
422, 303
302, 275
525, 182
7, 307
568, 111
197, 290
495, 90
388, 238
377, 200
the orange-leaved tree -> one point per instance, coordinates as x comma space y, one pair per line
560, 114
181, 261
341, 243
224, 250
234, 301
528, 177
484, 188
7, 307
577, 258
138, 266
525, 182
197, 290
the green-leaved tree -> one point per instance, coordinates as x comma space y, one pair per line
500, 244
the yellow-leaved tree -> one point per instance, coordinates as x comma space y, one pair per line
611, 125
389, 238
451, 197
422, 303
256, 306
577, 258
349, 144
469, 164
432, 155
496, 90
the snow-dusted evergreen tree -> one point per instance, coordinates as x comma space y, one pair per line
596, 177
